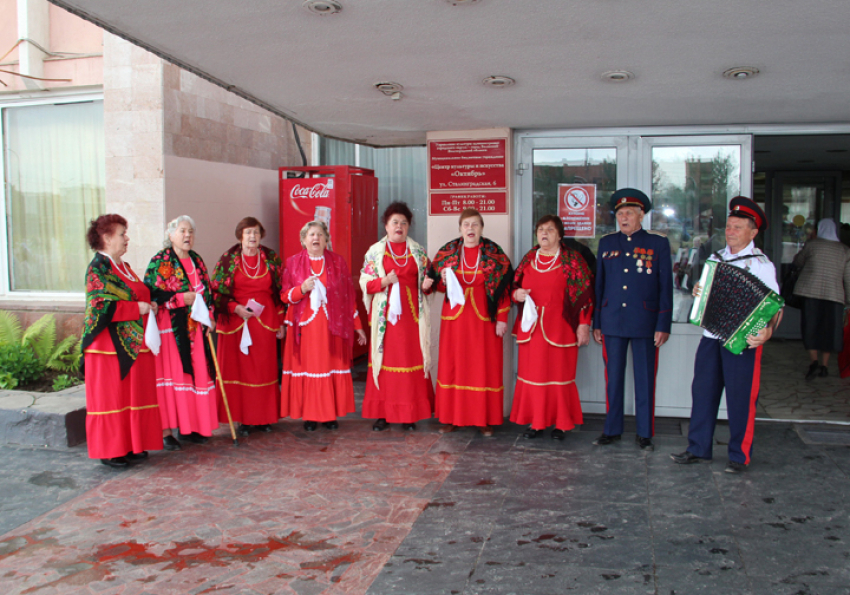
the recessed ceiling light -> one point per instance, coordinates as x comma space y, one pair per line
498, 81
390, 89
617, 76
323, 7
739, 73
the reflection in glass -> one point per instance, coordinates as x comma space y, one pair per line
691, 188
575, 166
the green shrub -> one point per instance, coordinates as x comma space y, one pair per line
64, 381
21, 362
7, 381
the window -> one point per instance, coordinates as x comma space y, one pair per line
53, 167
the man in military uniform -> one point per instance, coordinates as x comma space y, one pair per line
634, 304
716, 368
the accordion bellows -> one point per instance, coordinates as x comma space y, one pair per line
733, 303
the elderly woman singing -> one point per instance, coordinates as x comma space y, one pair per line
393, 281
554, 288
322, 318
246, 288
122, 416
476, 275
185, 377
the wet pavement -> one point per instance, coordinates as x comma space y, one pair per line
356, 511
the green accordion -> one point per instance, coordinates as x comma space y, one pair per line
733, 304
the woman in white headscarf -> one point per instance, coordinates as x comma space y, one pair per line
824, 283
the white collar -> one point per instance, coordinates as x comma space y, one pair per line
748, 251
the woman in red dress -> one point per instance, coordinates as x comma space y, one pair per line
322, 317
398, 389
246, 291
185, 382
122, 414
470, 386
557, 281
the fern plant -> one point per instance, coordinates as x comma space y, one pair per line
65, 357
10, 329
40, 336
39, 339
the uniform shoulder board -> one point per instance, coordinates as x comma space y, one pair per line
613, 233
657, 233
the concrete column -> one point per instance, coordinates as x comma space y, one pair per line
33, 26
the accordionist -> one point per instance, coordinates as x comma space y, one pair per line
716, 368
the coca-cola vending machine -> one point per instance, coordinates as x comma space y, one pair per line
346, 199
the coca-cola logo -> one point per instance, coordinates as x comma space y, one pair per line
314, 191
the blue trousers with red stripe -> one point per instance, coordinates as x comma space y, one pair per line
716, 368
645, 359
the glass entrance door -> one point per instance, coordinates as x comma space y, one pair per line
690, 179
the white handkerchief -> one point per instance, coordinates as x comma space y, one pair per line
453, 290
152, 338
529, 314
200, 312
246, 341
318, 296
395, 303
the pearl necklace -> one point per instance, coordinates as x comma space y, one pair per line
403, 255
193, 271
538, 262
466, 266
322, 270
247, 268
121, 267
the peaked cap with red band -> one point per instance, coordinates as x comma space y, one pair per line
630, 197
744, 207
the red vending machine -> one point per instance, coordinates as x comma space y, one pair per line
344, 197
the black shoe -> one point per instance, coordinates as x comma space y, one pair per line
644, 443
605, 440
686, 458
558, 434
380, 425
331, 425
734, 467
170, 443
116, 463
264, 428
531, 433
137, 456
824, 371
409, 427
194, 438
243, 430
311, 426
813, 371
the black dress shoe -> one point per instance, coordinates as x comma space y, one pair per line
409, 427
644, 443
243, 430
311, 426
531, 433
331, 425
264, 428
686, 458
605, 440
170, 443
824, 371
380, 425
735, 467
558, 434
137, 456
116, 463
194, 438
814, 368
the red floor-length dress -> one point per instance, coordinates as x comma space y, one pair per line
470, 389
546, 392
250, 380
316, 384
184, 403
122, 416
405, 394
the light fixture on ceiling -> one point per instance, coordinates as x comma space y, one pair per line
498, 81
390, 89
740, 73
617, 76
323, 7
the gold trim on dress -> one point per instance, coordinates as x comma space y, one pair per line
260, 276
274, 330
240, 383
543, 328
131, 408
413, 309
111, 352
566, 383
400, 370
221, 332
474, 388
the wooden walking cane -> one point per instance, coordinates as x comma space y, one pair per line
221, 385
